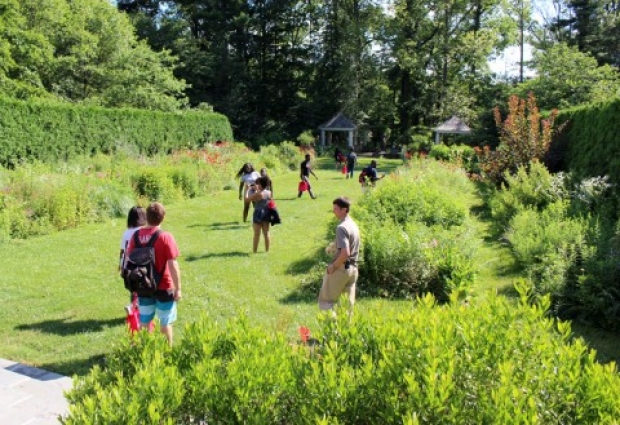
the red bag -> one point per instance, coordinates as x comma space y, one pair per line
133, 316
344, 169
303, 186
271, 204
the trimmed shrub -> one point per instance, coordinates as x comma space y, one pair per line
490, 362
55, 132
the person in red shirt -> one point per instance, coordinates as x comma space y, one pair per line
164, 302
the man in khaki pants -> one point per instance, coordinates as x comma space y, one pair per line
341, 274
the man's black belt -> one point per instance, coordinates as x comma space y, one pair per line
349, 263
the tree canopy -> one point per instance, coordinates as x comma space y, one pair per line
278, 68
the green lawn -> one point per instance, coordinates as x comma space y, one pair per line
63, 301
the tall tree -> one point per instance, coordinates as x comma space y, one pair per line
86, 51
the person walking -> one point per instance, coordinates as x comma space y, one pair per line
136, 218
341, 274
263, 173
247, 175
351, 161
260, 219
304, 174
163, 303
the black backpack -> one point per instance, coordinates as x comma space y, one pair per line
139, 272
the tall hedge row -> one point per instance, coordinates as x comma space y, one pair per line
39, 131
592, 139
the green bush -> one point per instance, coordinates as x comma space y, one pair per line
490, 362
155, 184
529, 188
546, 244
440, 152
416, 234
461, 155
410, 261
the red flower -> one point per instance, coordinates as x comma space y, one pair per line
304, 334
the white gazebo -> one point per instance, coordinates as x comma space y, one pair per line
338, 122
453, 126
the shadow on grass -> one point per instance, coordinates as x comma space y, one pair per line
304, 294
230, 225
231, 254
604, 342
79, 367
64, 327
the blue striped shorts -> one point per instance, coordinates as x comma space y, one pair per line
166, 310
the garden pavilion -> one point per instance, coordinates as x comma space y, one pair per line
338, 123
453, 126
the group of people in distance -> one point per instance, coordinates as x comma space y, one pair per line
255, 188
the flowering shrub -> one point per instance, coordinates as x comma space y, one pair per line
39, 198
522, 139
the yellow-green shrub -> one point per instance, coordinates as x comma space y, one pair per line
489, 362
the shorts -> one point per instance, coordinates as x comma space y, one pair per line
341, 281
166, 310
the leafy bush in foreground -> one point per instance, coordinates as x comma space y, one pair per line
485, 363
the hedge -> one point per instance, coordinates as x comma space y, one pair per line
48, 132
591, 140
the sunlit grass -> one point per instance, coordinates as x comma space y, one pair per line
63, 300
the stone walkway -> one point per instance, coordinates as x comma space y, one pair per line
31, 396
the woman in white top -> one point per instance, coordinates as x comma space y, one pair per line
136, 218
248, 176
260, 219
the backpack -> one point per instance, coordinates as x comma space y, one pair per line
139, 272
362, 176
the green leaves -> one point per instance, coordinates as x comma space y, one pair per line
488, 362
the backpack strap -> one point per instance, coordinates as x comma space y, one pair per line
151, 242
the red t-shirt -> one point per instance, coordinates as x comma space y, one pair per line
165, 249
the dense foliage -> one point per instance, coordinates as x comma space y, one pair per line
416, 234
489, 362
590, 141
52, 132
82, 51
41, 198
564, 233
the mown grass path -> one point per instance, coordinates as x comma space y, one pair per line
63, 300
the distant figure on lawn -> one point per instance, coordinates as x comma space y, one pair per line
164, 302
248, 175
371, 175
263, 173
304, 174
260, 197
351, 161
136, 218
341, 274
338, 157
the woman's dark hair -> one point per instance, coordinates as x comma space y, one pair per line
136, 217
263, 182
247, 168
